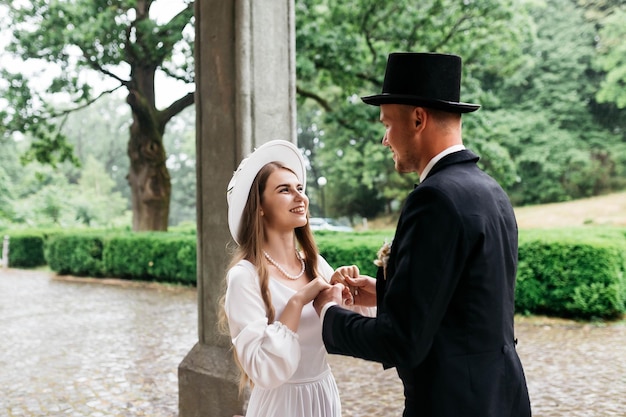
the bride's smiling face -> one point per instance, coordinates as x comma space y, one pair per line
283, 204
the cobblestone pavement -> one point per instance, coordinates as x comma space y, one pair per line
86, 349
71, 347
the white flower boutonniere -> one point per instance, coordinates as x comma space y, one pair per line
383, 257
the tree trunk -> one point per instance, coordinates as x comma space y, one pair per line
148, 178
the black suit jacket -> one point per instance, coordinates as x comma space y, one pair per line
446, 306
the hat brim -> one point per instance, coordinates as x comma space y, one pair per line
450, 106
238, 189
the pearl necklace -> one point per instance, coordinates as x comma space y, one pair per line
281, 269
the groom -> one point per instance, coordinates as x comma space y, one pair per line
445, 298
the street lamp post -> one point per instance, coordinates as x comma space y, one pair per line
321, 182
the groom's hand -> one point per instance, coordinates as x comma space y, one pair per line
332, 294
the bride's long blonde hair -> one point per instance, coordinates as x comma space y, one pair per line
251, 237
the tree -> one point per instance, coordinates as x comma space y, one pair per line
181, 162
55, 201
342, 49
612, 60
38, 195
95, 204
107, 144
92, 43
6, 197
550, 127
101, 130
548, 118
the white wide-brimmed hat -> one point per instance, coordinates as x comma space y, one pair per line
238, 190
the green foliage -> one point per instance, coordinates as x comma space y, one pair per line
342, 51
152, 256
359, 249
6, 196
42, 196
76, 254
597, 300
575, 272
536, 68
163, 257
560, 148
612, 59
180, 140
95, 203
549, 164
571, 273
108, 143
96, 194
128, 257
25, 248
549, 76
66, 55
566, 275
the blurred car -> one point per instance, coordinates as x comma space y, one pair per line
321, 223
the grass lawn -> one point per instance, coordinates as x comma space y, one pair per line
607, 210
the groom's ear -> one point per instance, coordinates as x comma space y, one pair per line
418, 115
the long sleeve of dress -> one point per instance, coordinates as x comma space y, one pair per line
268, 353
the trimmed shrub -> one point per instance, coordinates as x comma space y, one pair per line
25, 249
574, 273
565, 274
360, 249
76, 254
153, 256
126, 256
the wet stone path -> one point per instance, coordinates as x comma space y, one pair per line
82, 348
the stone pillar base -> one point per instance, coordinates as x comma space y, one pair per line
208, 384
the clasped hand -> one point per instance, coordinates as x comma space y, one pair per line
349, 288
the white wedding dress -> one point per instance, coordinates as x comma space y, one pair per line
289, 370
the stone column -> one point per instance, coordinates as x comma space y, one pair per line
245, 96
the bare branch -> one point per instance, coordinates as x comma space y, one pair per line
186, 79
453, 30
86, 104
178, 22
176, 107
309, 94
93, 63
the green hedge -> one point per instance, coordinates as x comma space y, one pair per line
25, 249
27, 246
576, 273
152, 256
360, 249
76, 254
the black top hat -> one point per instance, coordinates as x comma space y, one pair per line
423, 79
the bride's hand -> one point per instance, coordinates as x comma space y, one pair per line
311, 290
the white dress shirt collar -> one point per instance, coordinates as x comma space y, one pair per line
437, 158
